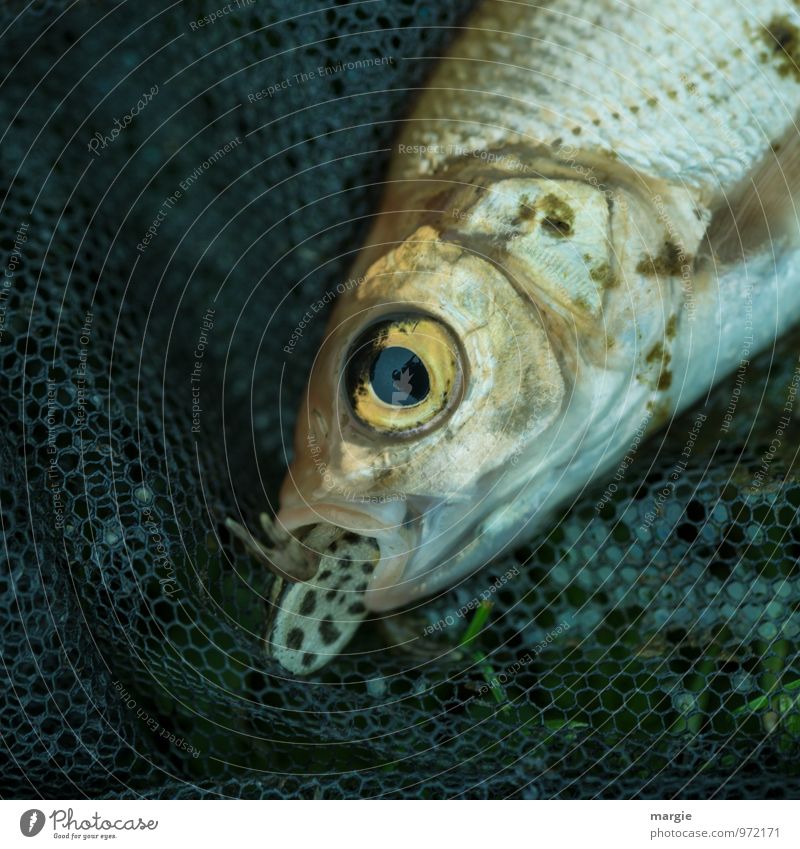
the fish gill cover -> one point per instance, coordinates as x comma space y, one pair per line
176, 179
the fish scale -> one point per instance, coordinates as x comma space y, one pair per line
649, 84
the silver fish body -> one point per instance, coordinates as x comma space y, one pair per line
588, 218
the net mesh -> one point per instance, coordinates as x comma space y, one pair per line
177, 190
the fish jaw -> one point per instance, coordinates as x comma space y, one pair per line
381, 520
458, 536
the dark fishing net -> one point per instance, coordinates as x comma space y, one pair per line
646, 646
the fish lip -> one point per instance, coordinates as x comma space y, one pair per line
342, 514
396, 540
388, 592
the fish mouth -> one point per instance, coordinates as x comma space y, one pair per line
381, 520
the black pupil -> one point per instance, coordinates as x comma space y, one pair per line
398, 377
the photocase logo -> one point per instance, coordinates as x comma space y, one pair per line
31, 822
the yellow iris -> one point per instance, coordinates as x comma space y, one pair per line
402, 374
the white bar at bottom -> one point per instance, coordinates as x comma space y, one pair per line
402, 824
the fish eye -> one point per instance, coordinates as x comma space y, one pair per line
403, 374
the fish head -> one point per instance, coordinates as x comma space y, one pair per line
440, 386
434, 374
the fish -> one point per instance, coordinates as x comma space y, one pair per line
310, 619
588, 221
